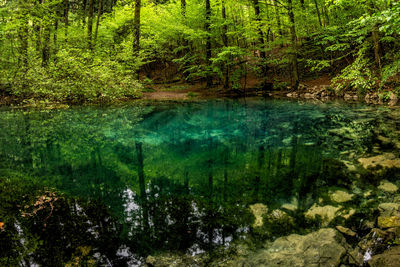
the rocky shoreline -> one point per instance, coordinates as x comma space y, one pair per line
324, 92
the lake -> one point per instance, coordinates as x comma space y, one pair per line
113, 185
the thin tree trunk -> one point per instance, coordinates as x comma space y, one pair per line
183, 8
293, 37
318, 13
208, 44
185, 42
66, 18
325, 11
225, 41
38, 28
136, 41
260, 32
263, 56
55, 35
375, 38
84, 13
100, 7
46, 43
90, 24
23, 33
278, 21
46, 46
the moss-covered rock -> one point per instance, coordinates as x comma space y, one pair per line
326, 247
325, 213
388, 187
258, 210
388, 221
341, 196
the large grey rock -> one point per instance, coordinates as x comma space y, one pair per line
326, 247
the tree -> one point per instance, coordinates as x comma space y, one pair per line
90, 24
261, 40
293, 38
66, 18
208, 44
136, 29
99, 10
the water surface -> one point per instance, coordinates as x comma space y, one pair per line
117, 184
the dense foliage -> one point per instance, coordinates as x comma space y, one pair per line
78, 50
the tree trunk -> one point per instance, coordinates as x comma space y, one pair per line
37, 26
302, 4
293, 37
225, 41
46, 45
264, 68
278, 21
325, 11
90, 24
375, 38
208, 44
46, 42
136, 41
185, 43
260, 32
100, 7
66, 18
183, 8
84, 13
318, 13
55, 35
23, 32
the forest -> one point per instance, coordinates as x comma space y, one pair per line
200, 133
78, 51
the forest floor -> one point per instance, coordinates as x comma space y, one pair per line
187, 91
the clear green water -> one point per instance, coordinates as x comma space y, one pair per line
151, 177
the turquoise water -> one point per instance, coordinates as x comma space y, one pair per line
116, 184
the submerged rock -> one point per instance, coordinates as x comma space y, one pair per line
346, 231
390, 258
388, 221
327, 247
389, 209
387, 160
327, 213
388, 187
289, 206
280, 217
292, 206
341, 196
258, 210
174, 260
